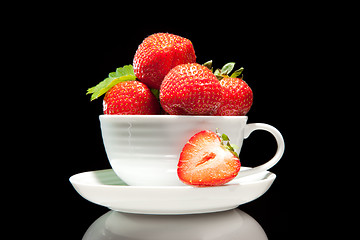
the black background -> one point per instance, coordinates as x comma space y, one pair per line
82, 45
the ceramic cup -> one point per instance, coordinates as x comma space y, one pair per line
144, 150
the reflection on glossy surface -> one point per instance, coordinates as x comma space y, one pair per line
232, 224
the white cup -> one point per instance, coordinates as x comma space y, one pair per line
144, 150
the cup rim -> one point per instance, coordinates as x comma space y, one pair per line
171, 117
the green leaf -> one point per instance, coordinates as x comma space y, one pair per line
234, 146
208, 64
236, 154
231, 147
237, 73
225, 137
156, 93
218, 75
227, 68
112, 75
123, 74
126, 70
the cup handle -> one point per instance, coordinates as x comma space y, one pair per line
249, 128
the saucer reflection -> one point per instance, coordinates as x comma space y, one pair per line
232, 224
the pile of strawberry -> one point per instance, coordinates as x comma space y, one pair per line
165, 77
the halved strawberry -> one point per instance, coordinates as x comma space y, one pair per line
207, 161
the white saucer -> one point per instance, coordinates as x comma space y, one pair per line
105, 188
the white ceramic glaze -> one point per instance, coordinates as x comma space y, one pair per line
106, 189
144, 150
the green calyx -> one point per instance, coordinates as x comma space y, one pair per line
225, 71
225, 142
122, 74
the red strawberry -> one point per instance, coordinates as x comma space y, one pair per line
206, 161
130, 98
237, 97
190, 89
158, 54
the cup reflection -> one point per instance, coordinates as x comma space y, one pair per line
232, 224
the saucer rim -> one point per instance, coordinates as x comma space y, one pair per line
237, 181
169, 200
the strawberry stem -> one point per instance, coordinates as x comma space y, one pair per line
225, 71
231, 147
